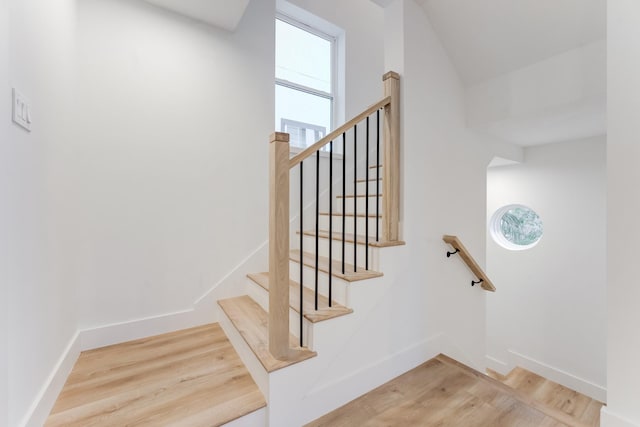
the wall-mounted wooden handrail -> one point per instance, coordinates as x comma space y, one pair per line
311, 150
485, 282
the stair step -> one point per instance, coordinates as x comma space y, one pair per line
370, 179
324, 312
375, 166
309, 260
349, 238
253, 324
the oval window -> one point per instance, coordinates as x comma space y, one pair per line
516, 227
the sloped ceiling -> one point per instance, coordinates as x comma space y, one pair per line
536, 65
488, 38
219, 13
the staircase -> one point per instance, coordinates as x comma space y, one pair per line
323, 264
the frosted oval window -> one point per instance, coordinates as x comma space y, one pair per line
516, 227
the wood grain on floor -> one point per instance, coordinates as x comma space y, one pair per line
189, 378
438, 393
580, 407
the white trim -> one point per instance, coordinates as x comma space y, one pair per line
552, 373
48, 394
609, 419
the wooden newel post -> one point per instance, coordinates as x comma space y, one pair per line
279, 245
391, 159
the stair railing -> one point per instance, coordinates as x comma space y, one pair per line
483, 279
280, 166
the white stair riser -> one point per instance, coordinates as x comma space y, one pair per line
336, 252
339, 290
362, 187
349, 224
261, 296
361, 205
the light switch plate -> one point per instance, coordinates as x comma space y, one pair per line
21, 110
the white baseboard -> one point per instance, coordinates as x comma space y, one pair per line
560, 376
43, 403
609, 419
498, 365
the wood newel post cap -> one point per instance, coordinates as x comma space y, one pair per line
279, 137
390, 75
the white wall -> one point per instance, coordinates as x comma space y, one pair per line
5, 103
549, 313
171, 163
623, 204
443, 178
133, 195
40, 269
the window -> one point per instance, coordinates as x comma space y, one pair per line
516, 227
305, 82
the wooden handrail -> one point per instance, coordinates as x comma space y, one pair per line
279, 169
311, 150
486, 283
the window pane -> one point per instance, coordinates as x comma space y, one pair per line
302, 57
306, 117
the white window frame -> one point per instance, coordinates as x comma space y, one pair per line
331, 96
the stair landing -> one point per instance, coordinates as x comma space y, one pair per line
191, 378
443, 392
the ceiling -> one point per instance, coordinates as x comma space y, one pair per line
219, 13
488, 38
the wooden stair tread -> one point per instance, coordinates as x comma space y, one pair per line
309, 260
375, 166
552, 412
252, 322
349, 238
359, 215
370, 179
324, 312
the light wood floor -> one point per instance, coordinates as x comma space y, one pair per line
582, 408
440, 393
188, 378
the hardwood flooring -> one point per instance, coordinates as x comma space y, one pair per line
186, 378
442, 392
580, 407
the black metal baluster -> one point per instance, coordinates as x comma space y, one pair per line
344, 190
366, 213
301, 248
330, 217
378, 176
355, 196
317, 221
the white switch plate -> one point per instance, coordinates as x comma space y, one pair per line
21, 110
